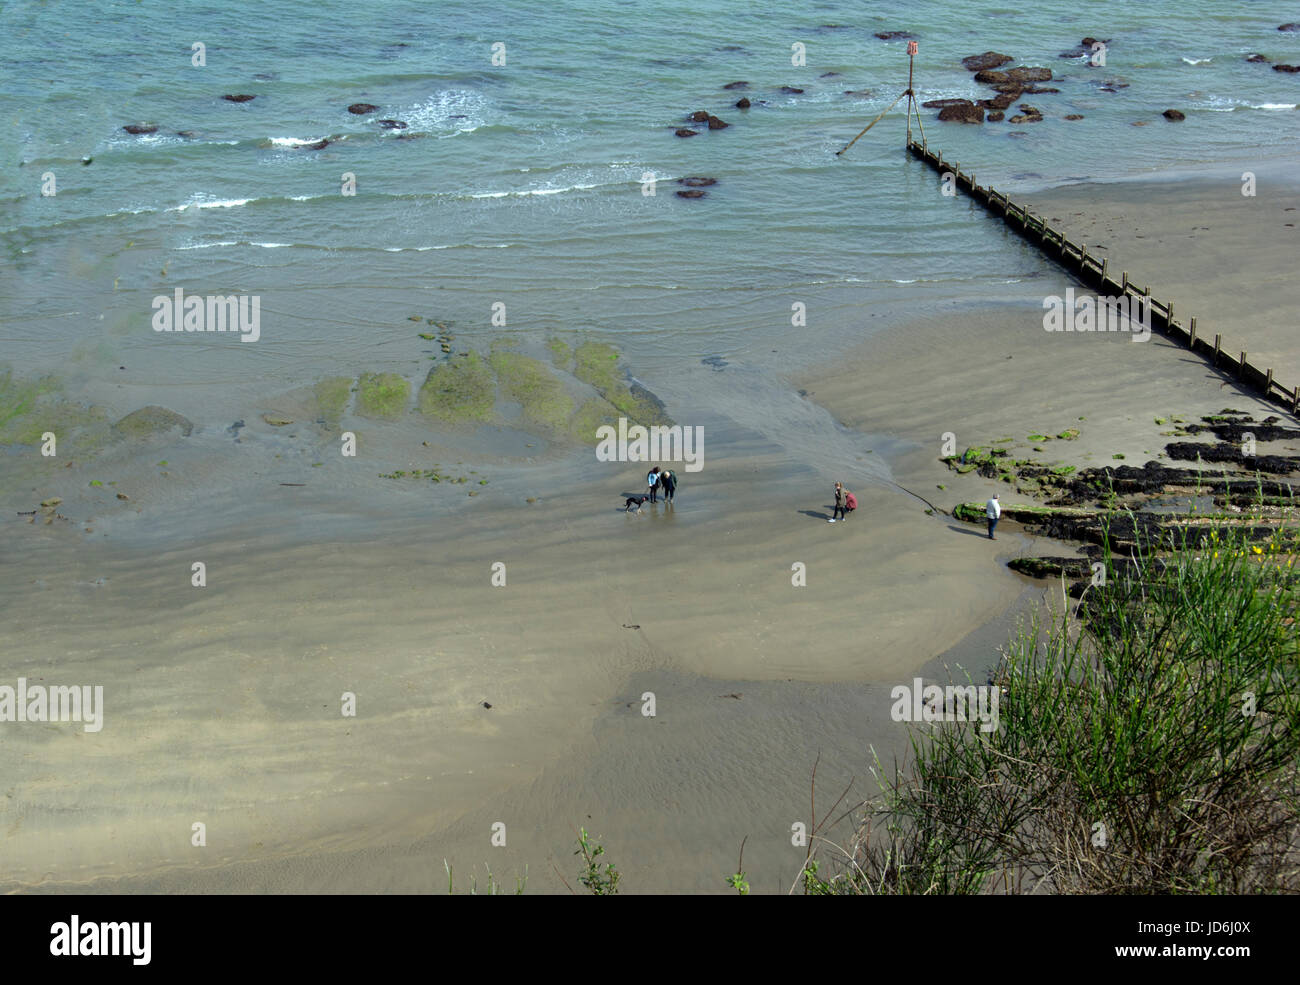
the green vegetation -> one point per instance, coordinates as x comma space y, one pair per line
332, 398
1069, 434
149, 421
17, 399
493, 888
528, 381
1150, 748
460, 391
1035, 438
600, 882
433, 475
597, 364
561, 354
382, 395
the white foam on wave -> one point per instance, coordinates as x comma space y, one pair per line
448, 246
1221, 104
1196, 61
524, 192
435, 113
293, 141
201, 201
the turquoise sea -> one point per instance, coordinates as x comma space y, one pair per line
523, 183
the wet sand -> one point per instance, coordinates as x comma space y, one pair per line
1225, 257
223, 702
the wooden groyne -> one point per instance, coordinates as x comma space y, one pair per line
1094, 273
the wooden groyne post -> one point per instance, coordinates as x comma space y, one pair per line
1094, 273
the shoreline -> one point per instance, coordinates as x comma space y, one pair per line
223, 702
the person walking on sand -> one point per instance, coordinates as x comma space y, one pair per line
840, 505
993, 511
668, 483
652, 483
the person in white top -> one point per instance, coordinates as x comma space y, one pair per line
993, 510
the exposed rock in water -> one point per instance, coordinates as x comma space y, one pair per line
717, 124
742, 103
990, 59
361, 109
1030, 74
141, 128
318, 145
828, 75
691, 193
1074, 116
791, 90
1049, 567
1237, 430
1256, 58
1290, 27
695, 182
242, 97
941, 103
895, 35
1085, 47
1286, 68
151, 420
392, 124
1001, 101
1039, 90
277, 420
858, 93
996, 116
736, 85
699, 116
686, 132
1174, 115
1223, 451
965, 113
187, 134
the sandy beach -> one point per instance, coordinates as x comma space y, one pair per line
223, 703
361, 599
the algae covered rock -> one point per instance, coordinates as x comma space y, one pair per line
150, 421
597, 365
530, 383
460, 391
561, 354
382, 395
332, 398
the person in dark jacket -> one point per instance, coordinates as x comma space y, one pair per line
840, 513
668, 483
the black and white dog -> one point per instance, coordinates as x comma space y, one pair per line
635, 501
